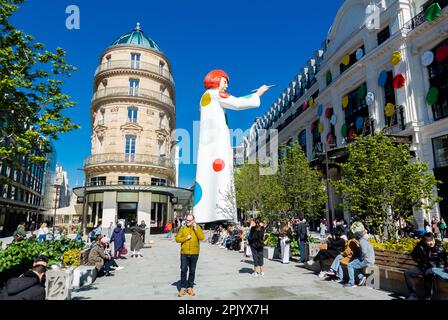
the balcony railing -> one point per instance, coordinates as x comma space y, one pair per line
396, 123
142, 159
133, 92
136, 65
419, 19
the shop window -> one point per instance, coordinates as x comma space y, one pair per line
353, 60
438, 78
302, 140
127, 180
440, 147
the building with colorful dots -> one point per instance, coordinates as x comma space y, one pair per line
394, 78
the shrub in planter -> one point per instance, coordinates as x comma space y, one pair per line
294, 247
71, 258
271, 240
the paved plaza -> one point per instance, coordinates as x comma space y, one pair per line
220, 275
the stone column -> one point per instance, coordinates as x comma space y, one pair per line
144, 212
109, 210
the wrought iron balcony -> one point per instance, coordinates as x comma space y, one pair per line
419, 19
133, 92
122, 158
135, 65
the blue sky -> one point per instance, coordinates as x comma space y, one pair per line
256, 42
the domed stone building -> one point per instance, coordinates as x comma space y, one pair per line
131, 174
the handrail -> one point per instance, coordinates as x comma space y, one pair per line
135, 65
133, 92
144, 159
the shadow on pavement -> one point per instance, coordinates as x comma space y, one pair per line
246, 270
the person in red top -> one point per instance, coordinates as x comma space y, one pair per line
168, 229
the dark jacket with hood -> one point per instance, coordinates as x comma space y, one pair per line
27, 287
427, 258
118, 238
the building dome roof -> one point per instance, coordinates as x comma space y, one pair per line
137, 38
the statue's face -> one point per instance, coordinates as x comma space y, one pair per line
223, 85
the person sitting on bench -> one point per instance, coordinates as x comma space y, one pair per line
335, 246
366, 259
350, 253
431, 260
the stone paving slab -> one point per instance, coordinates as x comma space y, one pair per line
220, 275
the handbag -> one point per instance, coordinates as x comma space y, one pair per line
124, 251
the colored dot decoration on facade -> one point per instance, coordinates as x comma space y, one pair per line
382, 78
328, 112
427, 58
344, 130
345, 102
206, 99
333, 119
311, 102
442, 53
320, 127
432, 96
346, 60
312, 126
305, 105
389, 110
319, 110
362, 91
351, 133
197, 193
370, 98
433, 12
224, 94
359, 54
218, 165
329, 77
395, 59
359, 123
399, 81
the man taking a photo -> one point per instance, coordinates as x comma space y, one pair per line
189, 237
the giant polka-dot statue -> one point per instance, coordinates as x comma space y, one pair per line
213, 197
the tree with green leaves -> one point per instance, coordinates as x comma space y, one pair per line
381, 183
31, 97
294, 190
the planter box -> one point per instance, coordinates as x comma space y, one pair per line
59, 284
314, 249
83, 276
268, 253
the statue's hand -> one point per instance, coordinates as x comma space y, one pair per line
262, 90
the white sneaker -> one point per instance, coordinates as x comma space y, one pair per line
322, 274
119, 268
262, 274
310, 262
255, 274
362, 282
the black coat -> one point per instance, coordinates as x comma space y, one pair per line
421, 255
336, 246
256, 238
301, 231
26, 287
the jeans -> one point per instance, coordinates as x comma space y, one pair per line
107, 264
168, 234
187, 264
302, 250
443, 233
441, 273
336, 266
354, 269
428, 280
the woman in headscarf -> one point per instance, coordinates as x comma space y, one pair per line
136, 240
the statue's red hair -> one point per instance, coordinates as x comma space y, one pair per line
213, 78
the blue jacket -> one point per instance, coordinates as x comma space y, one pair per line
118, 238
